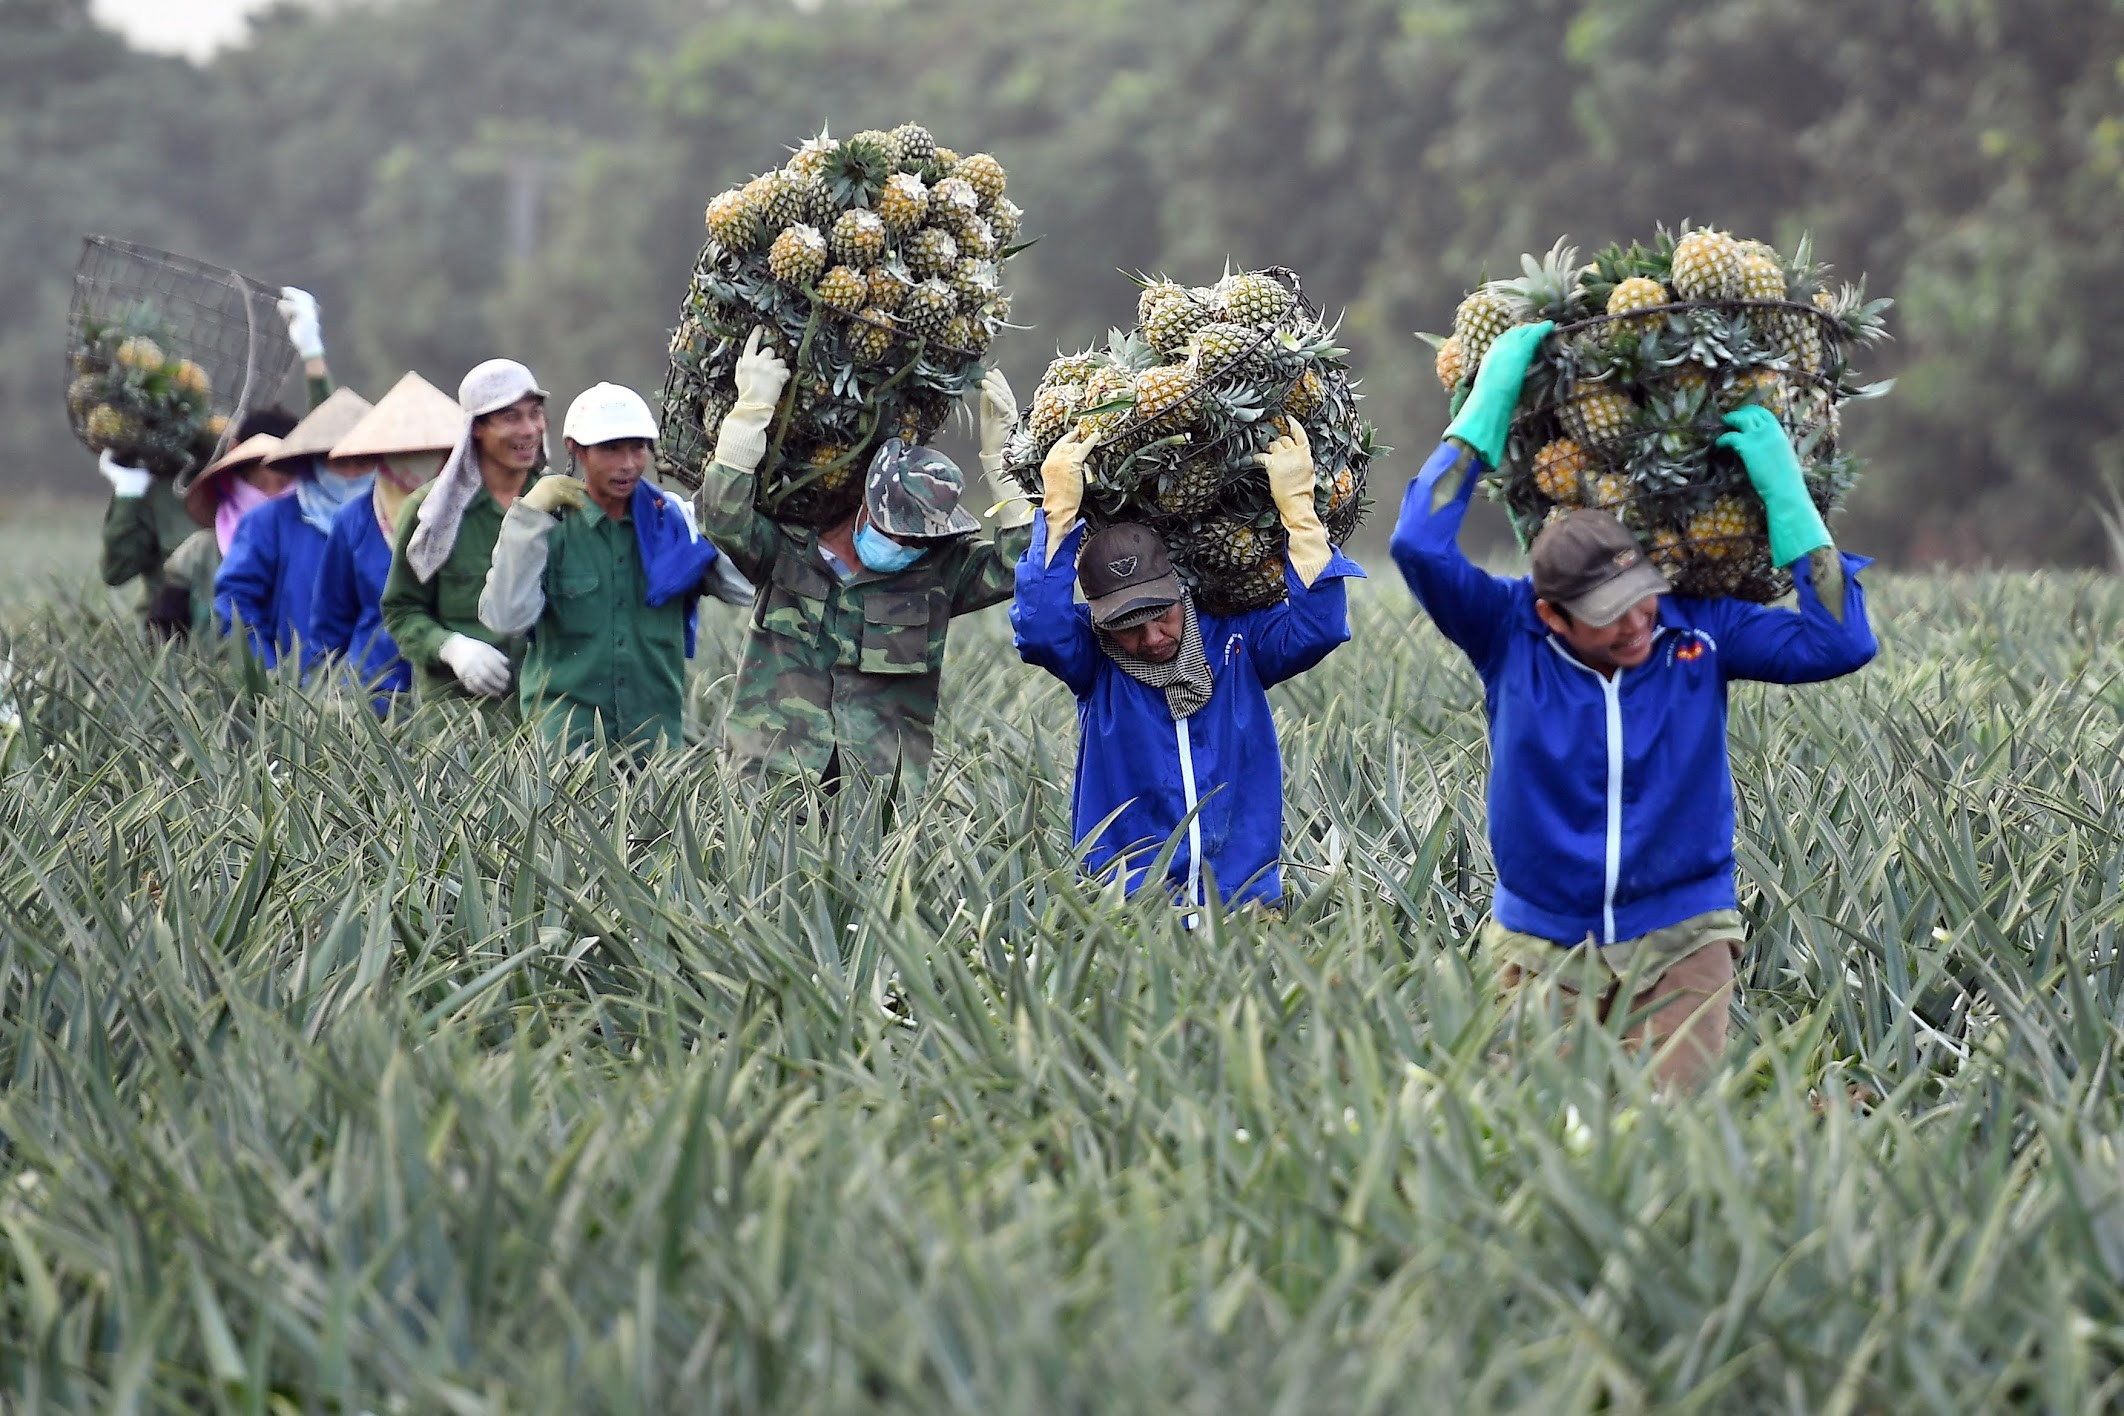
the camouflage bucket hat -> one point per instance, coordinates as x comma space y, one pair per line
913, 493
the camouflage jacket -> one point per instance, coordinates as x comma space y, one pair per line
849, 667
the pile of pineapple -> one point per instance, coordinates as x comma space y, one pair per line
1183, 404
1623, 405
133, 395
874, 264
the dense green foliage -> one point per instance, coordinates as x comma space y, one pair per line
374, 1068
1967, 155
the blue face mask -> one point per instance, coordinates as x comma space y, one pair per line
881, 553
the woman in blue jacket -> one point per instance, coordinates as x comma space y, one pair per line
1174, 729
1611, 795
269, 574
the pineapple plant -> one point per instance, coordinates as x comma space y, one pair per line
1183, 405
798, 255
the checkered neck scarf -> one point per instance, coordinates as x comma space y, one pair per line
1185, 677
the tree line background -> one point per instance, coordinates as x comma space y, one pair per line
526, 177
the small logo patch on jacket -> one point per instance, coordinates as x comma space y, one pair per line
1688, 648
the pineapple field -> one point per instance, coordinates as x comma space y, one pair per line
360, 1067
1183, 405
874, 266
1622, 409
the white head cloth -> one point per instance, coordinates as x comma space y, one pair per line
489, 388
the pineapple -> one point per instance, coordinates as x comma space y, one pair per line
870, 335
1005, 221
1560, 469
812, 157
973, 280
1598, 417
1051, 405
783, 201
1251, 299
1451, 363
140, 352
953, 205
1254, 589
916, 148
978, 238
1224, 350
889, 285
82, 394
1725, 529
930, 252
189, 377
1706, 265
1340, 492
798, 255
1172, 322
858, 239
964, 333
1190, 490
108, 428
928, 310
217, 425
1664, 547
1762, 278
904, 203
1306, 396
845, 288
1481, 318
985, 175
1638, 293
734, 220
1764, 386
1611, 493
1159, 391
1228, 545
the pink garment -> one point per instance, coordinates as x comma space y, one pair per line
239, 498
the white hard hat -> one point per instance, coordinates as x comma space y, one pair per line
605, 413
494, 385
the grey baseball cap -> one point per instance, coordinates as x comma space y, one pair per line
1590, 564
1127, 576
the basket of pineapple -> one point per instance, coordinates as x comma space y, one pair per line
164, 353
1182, 406
1624, 403
874, 265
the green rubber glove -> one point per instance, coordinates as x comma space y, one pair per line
1485, 419
1796, 528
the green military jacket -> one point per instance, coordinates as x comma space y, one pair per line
139, 533
842, 667
598, 650
421, 616
192, 565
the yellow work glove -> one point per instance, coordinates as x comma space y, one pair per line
999, 415
554, 495
1289, 461
1062, 485
741, 443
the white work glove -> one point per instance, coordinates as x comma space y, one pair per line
481, 668
1289, 461
299, 309
999, 416
555, 494
129, 483
1062, 485
741, 443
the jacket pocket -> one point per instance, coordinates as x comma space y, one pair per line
793, 603
903, 632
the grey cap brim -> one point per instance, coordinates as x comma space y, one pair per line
1610, 600
1161, 593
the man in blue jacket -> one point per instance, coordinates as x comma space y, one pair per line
269, 575
1611, 796
1174, 728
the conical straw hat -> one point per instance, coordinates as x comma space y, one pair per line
328, 422
415, 416
202, 492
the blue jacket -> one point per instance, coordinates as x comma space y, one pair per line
268, 576
1146, 771
1611, 800
346, 616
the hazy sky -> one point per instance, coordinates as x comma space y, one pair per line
194, 27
